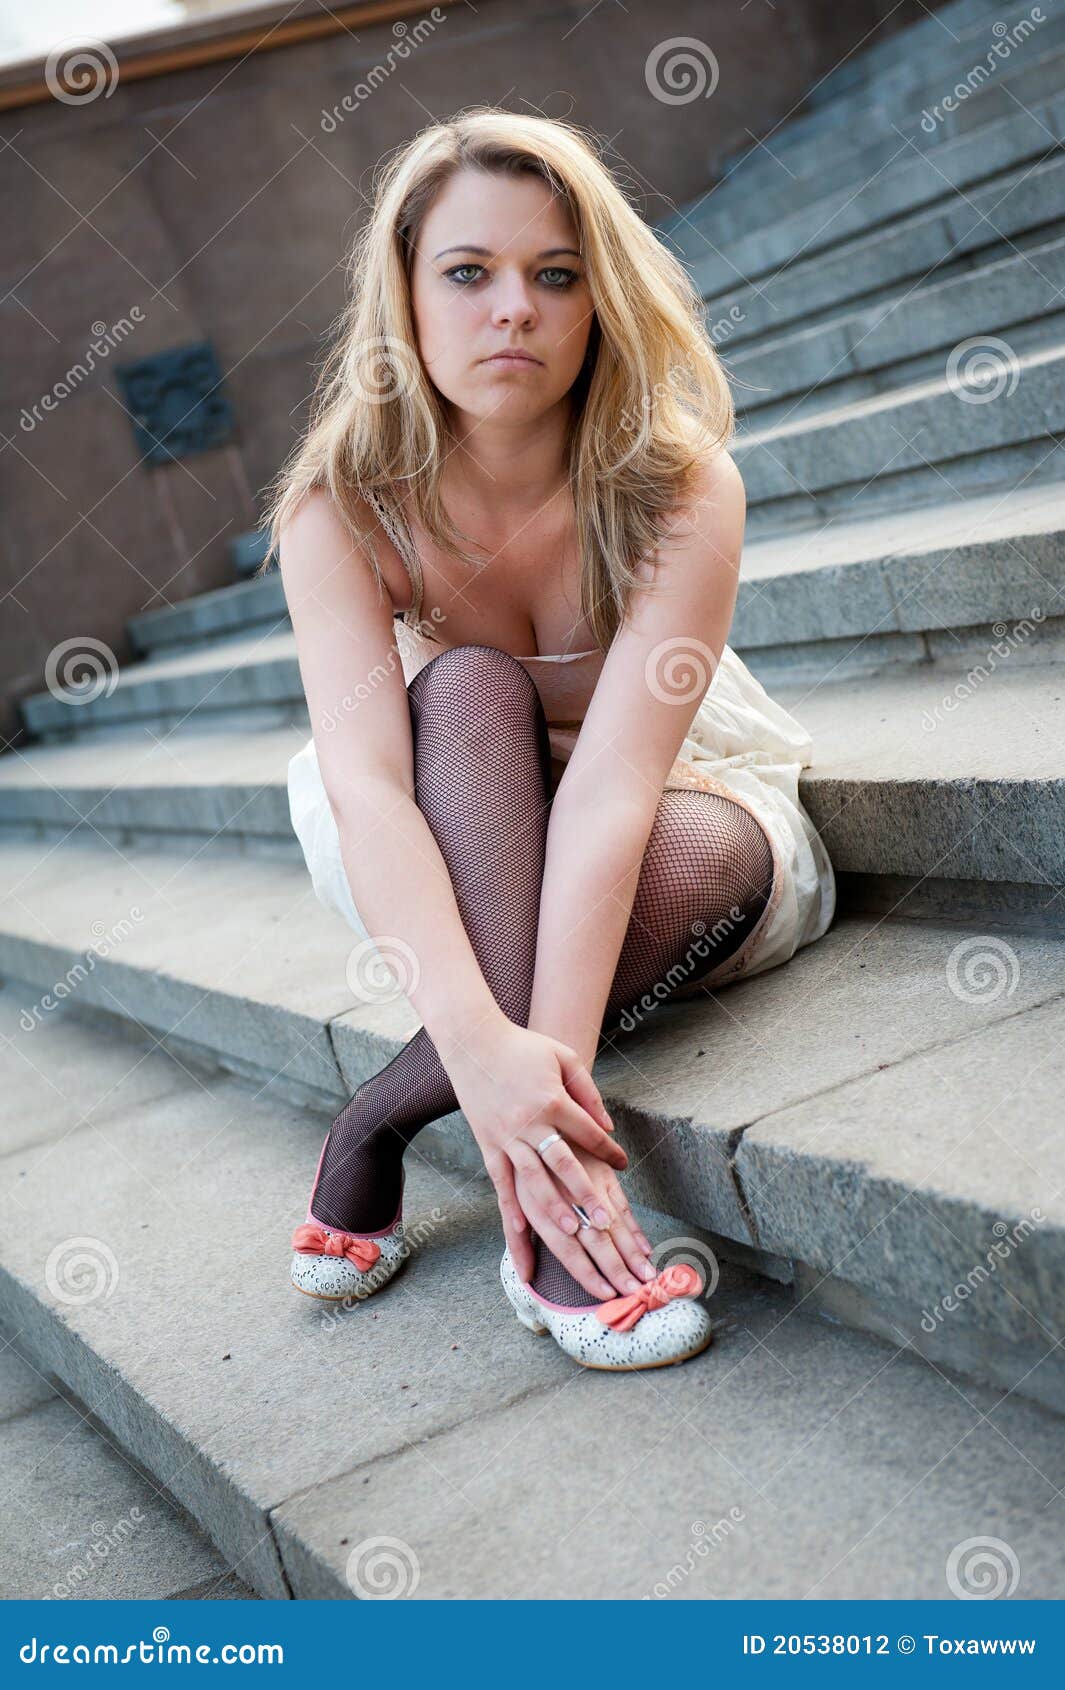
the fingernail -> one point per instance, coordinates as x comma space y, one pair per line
632, 1284
569, 1223
647, 1270
606, 1290
600, 1217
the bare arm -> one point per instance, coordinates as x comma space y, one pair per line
654, 677
360, 719
514, 1085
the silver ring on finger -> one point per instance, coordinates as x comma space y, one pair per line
544, 1142
583, 1217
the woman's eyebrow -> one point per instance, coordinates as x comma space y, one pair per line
549, 252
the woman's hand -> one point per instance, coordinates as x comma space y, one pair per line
515, 1086
607, 1264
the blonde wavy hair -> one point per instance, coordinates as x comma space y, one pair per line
650, 405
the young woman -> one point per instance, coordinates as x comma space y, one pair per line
538, 776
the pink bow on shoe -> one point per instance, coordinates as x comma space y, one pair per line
313, 1240
622, 1313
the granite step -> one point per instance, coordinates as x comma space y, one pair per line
258, 603
912, 182
923, 585
81, 1521
1008, 307
917, 86
951, 775
941, 31
776, 1067
950, 565
982, 413
192, 787
1022, 204
778, 178
936, 759
859, 78
918, 572
144, 1257
255, 672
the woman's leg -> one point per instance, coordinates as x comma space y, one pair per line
706, 877
482, 779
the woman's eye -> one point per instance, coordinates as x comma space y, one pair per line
566, 277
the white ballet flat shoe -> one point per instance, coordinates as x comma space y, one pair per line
654, 1327
335, 1265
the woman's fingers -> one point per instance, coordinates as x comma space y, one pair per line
621, 1264
571, 1118
568, 1174
604, 1251
515, 1225
633, 1245
572, 1256
630, 1249
582, 1087
626, 1216
538, 1182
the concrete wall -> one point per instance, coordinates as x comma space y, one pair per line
210, 203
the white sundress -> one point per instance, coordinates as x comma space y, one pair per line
741, 744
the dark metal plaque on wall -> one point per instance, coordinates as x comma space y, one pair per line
176, 403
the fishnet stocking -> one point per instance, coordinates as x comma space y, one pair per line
482, 776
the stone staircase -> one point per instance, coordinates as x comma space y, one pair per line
867, 1134
79, 1519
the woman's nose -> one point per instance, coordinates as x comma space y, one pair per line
514, 304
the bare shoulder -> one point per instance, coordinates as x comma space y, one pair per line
314, 533
718, 486
708, 522
317, 536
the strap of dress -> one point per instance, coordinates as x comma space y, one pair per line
399, 535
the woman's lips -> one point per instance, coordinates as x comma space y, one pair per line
519, 358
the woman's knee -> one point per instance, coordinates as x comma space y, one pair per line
710, 839
460, 670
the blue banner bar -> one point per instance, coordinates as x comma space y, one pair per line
489, 1643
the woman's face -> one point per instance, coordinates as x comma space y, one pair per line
495, 269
